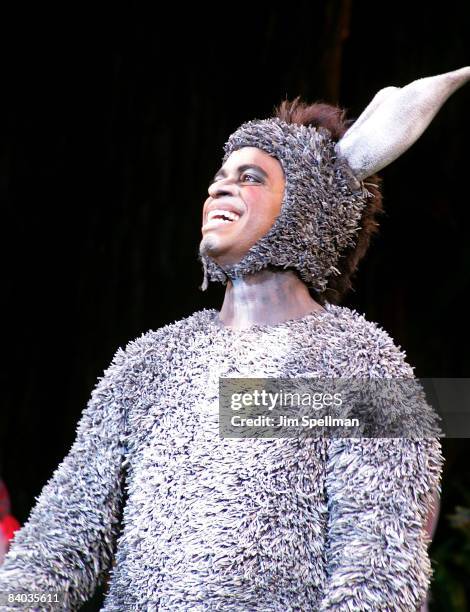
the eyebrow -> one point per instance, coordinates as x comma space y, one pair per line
222, 172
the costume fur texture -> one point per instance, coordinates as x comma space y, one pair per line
181, 519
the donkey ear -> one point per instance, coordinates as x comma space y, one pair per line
394, 120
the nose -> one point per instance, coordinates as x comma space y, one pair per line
220, 188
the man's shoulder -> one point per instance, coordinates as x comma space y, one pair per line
364, 343
354, 325
170, 334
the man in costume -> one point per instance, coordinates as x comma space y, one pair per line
178, 518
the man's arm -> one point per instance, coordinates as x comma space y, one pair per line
66, 545
379, 493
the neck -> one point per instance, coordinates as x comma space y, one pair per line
266, 298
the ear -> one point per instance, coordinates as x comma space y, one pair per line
394, 120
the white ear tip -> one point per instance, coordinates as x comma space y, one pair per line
453, 79
462, 73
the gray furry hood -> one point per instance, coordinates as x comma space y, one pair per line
321, 209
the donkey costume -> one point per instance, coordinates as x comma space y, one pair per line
183, 520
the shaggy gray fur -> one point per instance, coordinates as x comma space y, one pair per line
321, 210
194, 522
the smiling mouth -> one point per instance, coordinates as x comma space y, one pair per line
217, 218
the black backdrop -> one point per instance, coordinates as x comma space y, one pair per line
110, 129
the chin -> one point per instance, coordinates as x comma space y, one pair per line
216, 248
210, 245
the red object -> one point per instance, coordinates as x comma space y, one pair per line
8, 525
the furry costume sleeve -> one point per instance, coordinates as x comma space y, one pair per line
66, 545
379, 492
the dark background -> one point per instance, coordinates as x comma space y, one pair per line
111, 128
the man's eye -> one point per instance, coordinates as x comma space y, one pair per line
246, 176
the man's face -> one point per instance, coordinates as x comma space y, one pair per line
244, 200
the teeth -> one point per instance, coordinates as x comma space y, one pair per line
227, 215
